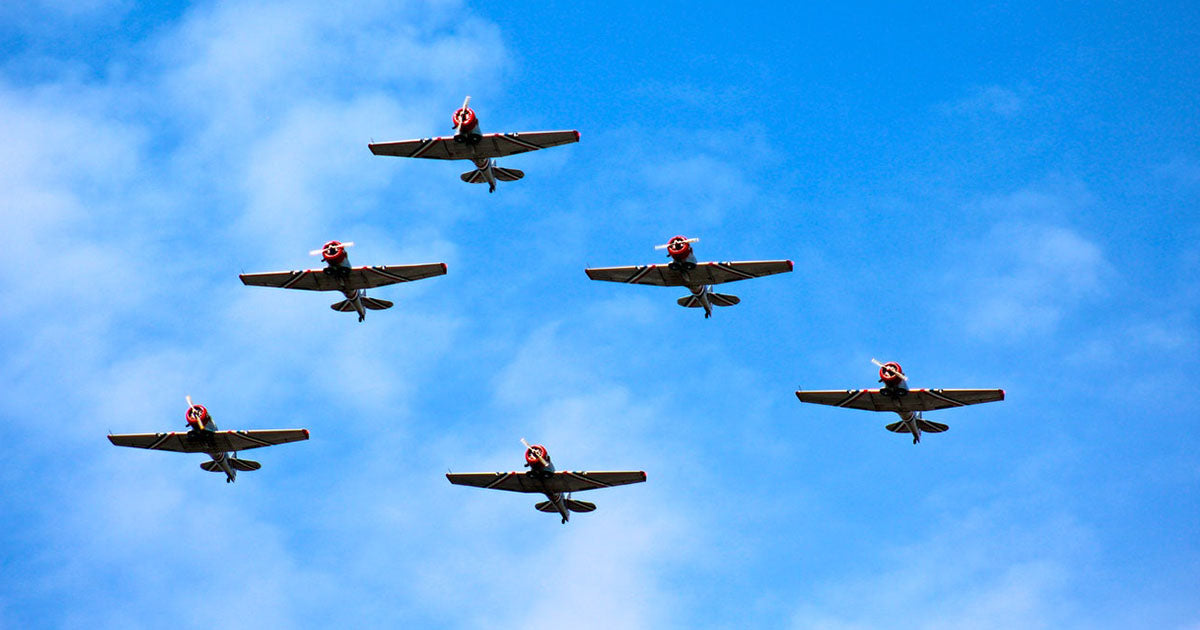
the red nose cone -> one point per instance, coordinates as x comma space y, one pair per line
535, 454
890, 372
333, 252
678, 247
196, 416
464, 119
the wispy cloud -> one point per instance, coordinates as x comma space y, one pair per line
992, 100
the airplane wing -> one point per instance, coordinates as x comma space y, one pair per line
357, 278
493, 145
209, 441
561, 481
915, 400
704, 273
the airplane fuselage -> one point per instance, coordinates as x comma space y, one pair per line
896, 389
471, 136
684, 261
340, 269
202, 430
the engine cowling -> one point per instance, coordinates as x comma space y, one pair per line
536, 457
679, 248
890, 374
333, 252
197, 416
464, 119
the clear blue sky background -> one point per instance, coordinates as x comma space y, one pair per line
1003, 196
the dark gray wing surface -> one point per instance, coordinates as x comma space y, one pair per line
209, 441
562, 481
915, 400
704, 273
492, 145
357, 277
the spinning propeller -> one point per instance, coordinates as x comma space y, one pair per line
195, 412
331, 249
673, 241
463, 116
538, 452
891, 368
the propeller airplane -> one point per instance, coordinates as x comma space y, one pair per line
907, 403
338, 275
469, 143
203, 437
542, 477
698, 277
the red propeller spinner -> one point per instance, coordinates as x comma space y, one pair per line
536, 456
333, 252
464, 119
197, 415
890, 373
679, 247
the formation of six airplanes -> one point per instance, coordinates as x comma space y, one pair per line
468, 143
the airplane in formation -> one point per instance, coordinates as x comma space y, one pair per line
203, 437
469, 143
556, 485
907, 403
338, 275
698, 277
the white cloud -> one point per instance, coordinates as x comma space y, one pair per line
1029, 270
980, 571
992, 99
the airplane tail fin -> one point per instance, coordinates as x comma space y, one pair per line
716, 299
925, 426
376, 304
931, 427
580, 506
507, 174
244, 464
345, 306
722, 299
502, 174
572, 505
236, 464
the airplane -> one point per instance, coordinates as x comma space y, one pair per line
203, 437
468, 143
338, 275
556, 485
908, 403
684, 271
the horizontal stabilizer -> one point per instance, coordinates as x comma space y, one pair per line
545, 506
721, 299
244, 464
716, 299
931, 427
924, 425
345, 306
507, 174
211, 466
580, 506
474, 177
376, 304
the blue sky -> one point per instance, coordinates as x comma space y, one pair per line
994, 197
